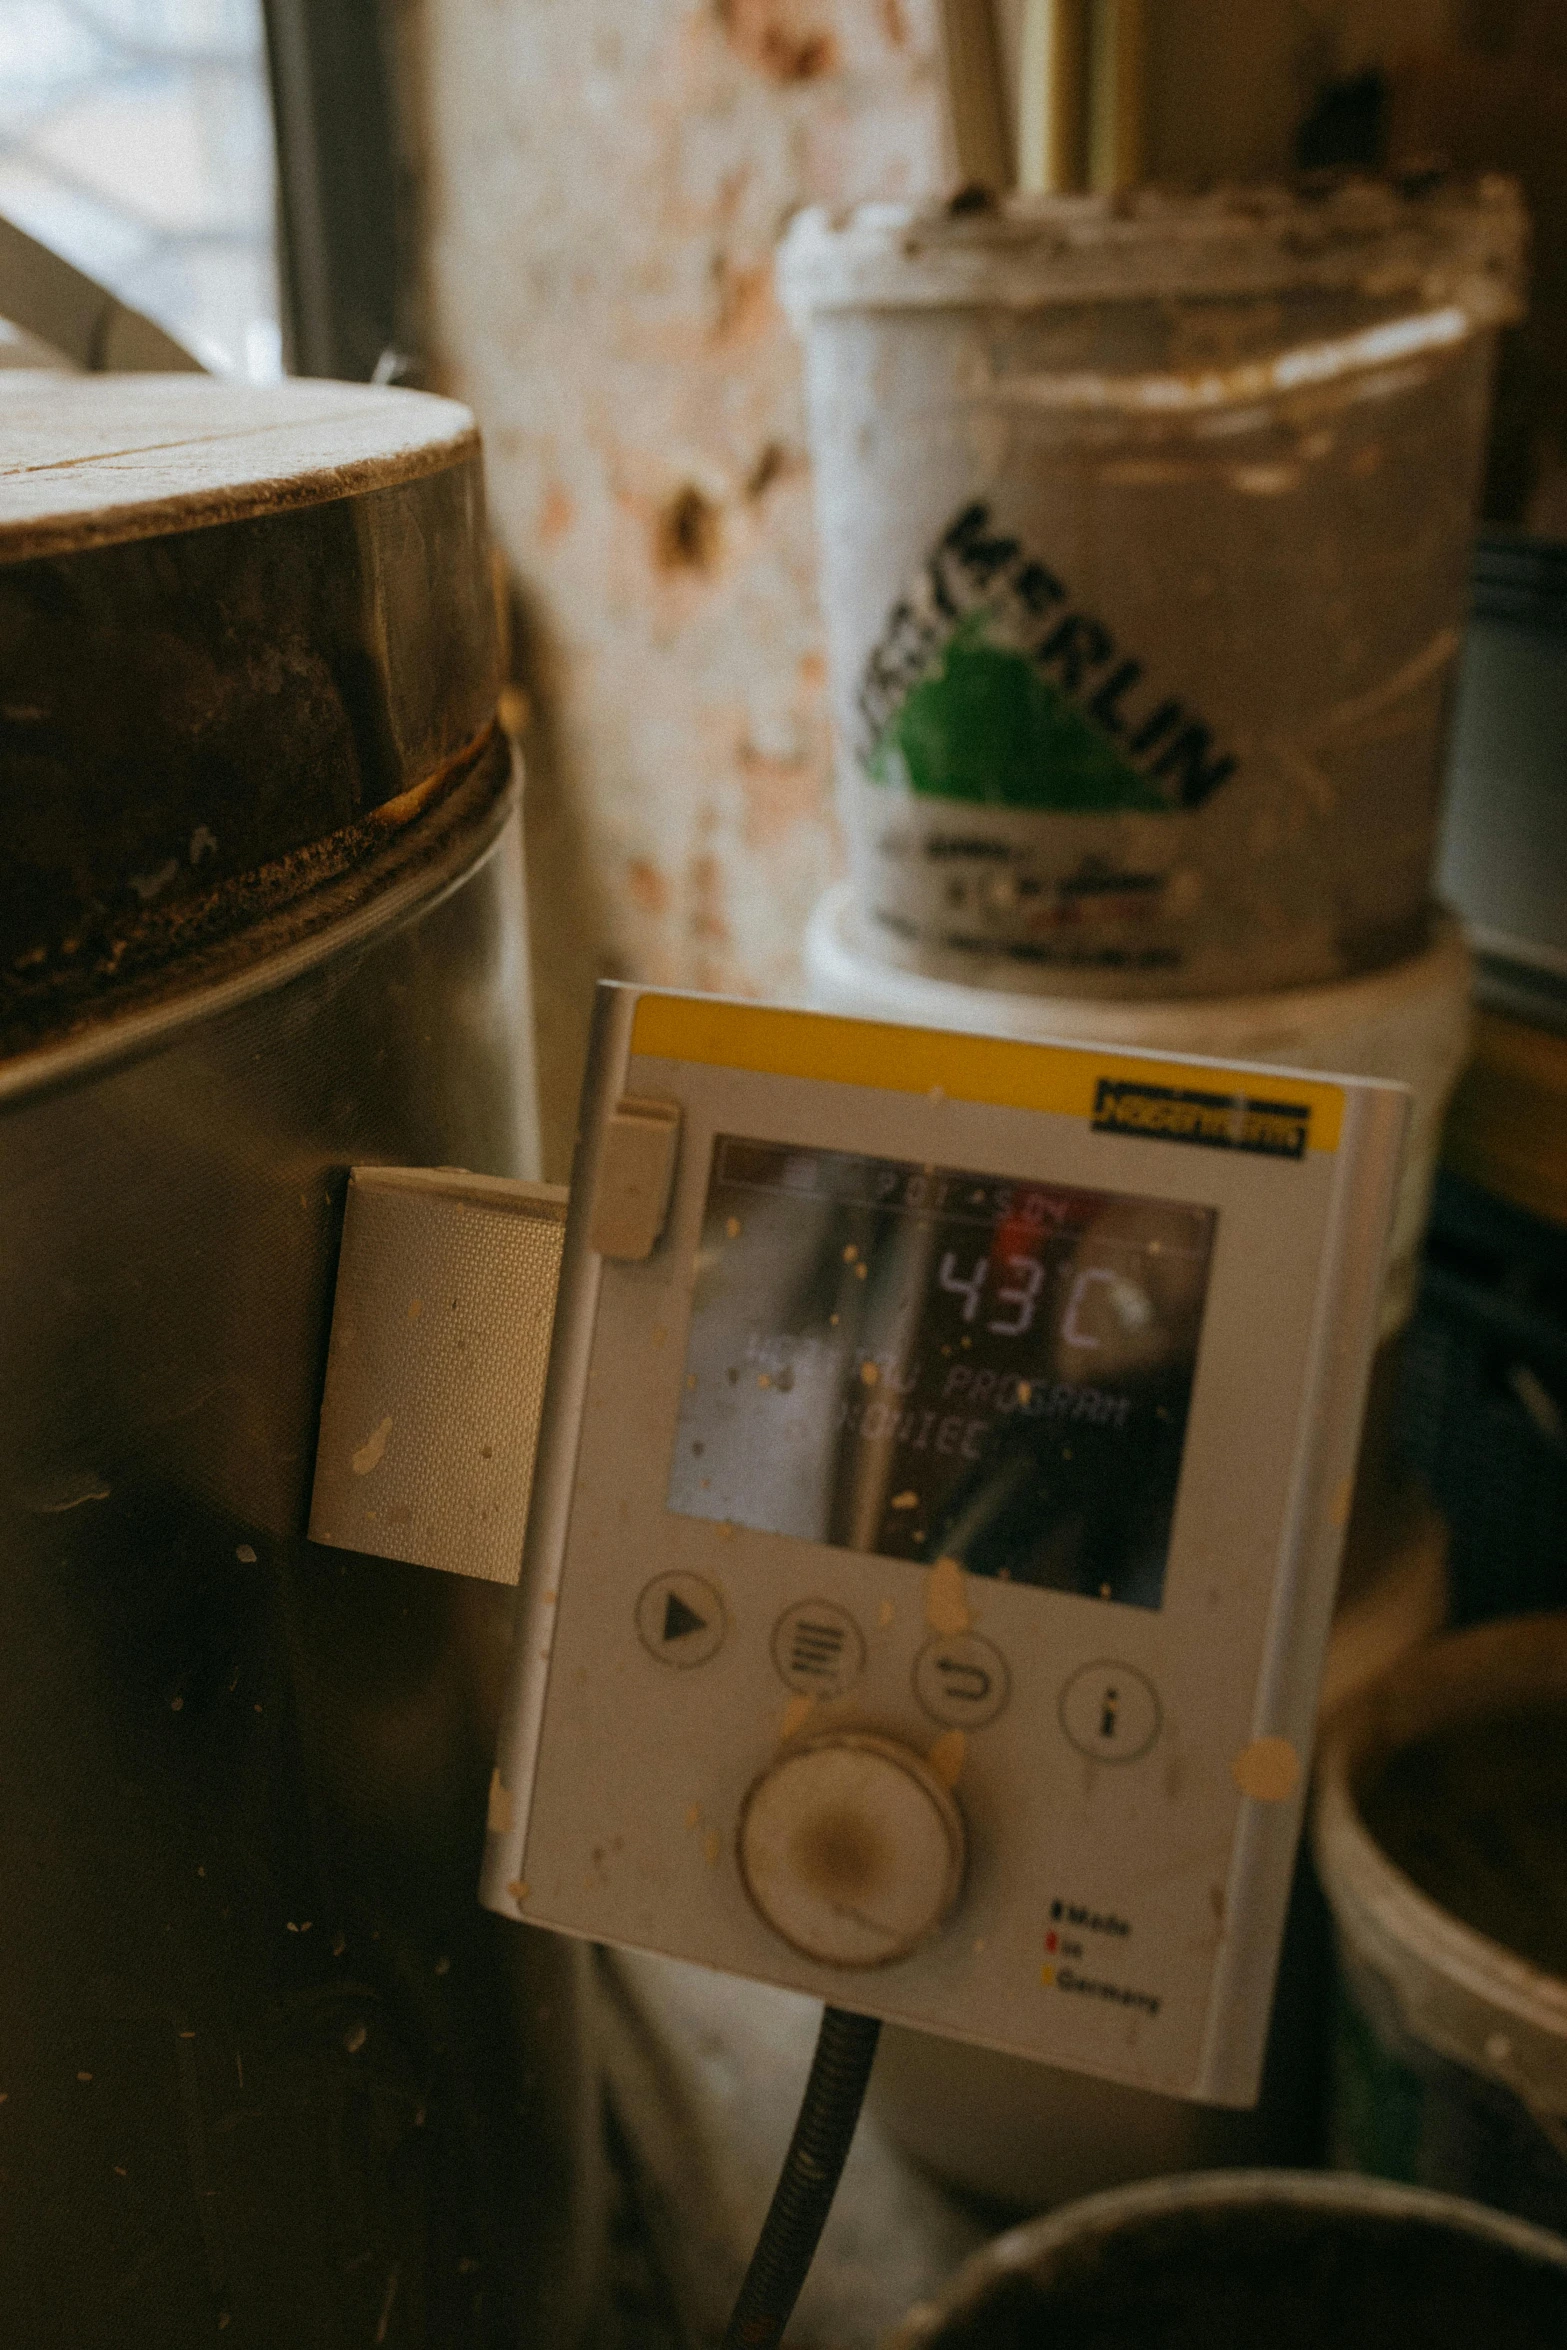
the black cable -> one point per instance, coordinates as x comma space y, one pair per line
829, 2110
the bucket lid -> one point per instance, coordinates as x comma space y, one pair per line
1424, 244
247, 636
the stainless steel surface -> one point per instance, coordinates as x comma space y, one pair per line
269, 2072
441, 1325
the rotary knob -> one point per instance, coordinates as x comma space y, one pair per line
851, 1849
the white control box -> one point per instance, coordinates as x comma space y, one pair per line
945, 1460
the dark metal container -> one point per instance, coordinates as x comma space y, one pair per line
267, 2071
1256, 2260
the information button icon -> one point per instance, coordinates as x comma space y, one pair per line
1110, 1711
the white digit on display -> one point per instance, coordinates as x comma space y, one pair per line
1025, 1297
968, 1290
1085, 1281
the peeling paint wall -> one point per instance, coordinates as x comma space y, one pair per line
603, 183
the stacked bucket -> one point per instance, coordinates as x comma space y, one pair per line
1146, 525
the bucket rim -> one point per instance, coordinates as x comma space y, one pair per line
1449, 239
1026, 2248
1462, 1676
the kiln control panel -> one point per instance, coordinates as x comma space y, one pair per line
944, 1462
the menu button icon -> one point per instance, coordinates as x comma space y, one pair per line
817, 1649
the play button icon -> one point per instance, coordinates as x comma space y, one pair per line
680, 1620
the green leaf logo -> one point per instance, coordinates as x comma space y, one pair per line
985, 727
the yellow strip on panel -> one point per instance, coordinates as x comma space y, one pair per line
1167, 1098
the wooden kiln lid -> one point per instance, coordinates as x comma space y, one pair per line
93, 459
246, 634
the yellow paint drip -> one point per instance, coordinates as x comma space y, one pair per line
1268, 1770
498, 1814
946, 1757
946, 1599
796, 1714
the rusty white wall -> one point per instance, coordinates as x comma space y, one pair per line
603, 183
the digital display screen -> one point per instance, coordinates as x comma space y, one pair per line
922, 1363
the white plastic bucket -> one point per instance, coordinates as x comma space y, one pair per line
1440, 1833
1410, 1023
1145, 526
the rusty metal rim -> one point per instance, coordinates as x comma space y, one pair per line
437, 835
